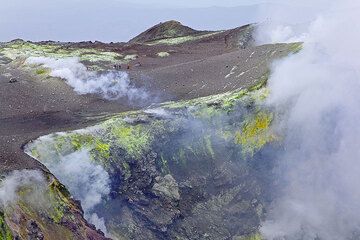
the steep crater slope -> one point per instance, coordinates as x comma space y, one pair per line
184, 170
35, 205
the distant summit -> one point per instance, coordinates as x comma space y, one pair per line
169, 29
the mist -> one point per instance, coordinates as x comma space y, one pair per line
111, 85
87, 181
287, 21
10, 185
317, 93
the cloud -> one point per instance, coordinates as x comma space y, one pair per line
111, 85
317, 92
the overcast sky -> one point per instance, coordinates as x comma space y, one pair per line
117, 20
194, 3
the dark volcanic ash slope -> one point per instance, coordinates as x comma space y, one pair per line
170, 29
171, 64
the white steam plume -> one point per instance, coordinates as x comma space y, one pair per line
87, 181
287, 21
111, 85
11, 184
318, 92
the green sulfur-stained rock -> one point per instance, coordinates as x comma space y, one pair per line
40, 208
255, 133
181, 40
256, 236
135, 140
5, 232
21, 50
296, 47
41, 71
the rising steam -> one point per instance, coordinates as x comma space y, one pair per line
111, 85
11, 184
87, 181
317, 90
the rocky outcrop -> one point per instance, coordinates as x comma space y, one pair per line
241, 37
166, 187
179, 171
41, 209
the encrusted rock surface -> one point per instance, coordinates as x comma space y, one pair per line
179, 175
166, 187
